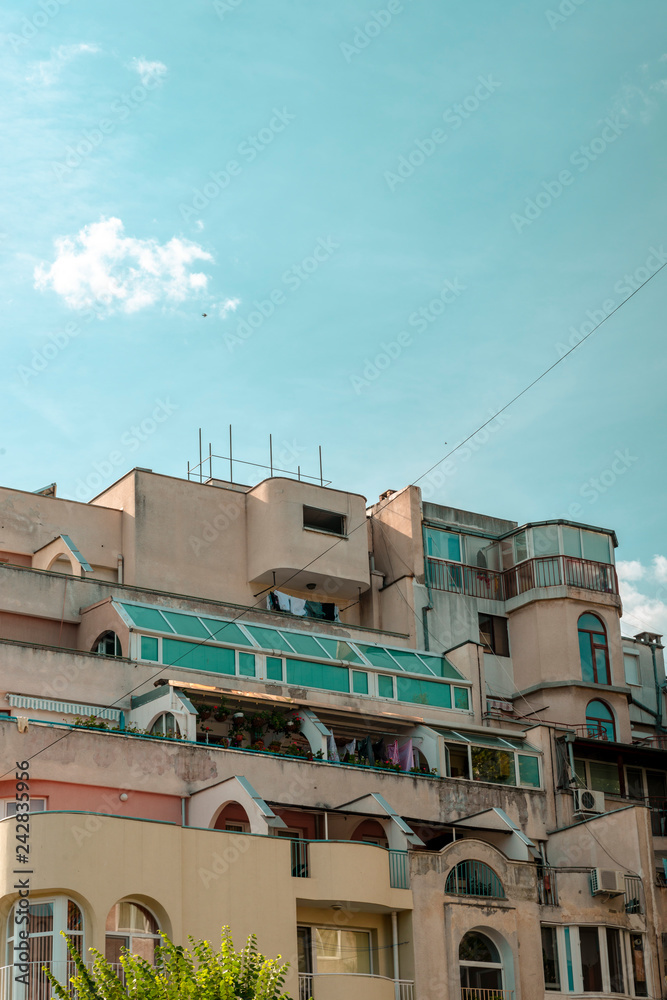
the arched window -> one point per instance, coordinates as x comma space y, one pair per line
131, 926
600, 721
165, 725
108, 644
474, 878
593, 650
481, 965
46, 945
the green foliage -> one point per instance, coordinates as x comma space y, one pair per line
179, 974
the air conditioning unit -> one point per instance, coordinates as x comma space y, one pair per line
588, 802
607, 882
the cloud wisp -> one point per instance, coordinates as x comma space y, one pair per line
149, 71
102, 265
642, 611
47, 71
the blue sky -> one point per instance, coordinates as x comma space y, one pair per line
394, 217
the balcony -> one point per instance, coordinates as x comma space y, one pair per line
475, 993
333, 986
38, 987
532, 574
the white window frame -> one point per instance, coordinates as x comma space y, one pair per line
6, 803
634, 657
575, 947
324, 927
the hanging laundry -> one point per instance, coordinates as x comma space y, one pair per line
272, 603
366, 750
392, 753
332, 749
298, 606
406, 756
349, 748
378, 750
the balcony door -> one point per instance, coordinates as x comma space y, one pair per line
480, 964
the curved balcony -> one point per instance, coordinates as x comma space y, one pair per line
532, 574
332, 986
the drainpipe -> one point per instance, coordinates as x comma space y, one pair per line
429, 606
183, 817
394, 948
569, 742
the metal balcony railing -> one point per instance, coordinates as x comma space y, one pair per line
476, 993
547, 887
542, 571
38, 987
634, 895
403, 988
399, 870
300, 858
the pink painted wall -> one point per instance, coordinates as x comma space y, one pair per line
100, 799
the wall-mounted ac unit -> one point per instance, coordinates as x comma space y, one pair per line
588, 802
607, 882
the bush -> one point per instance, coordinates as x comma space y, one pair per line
179, 974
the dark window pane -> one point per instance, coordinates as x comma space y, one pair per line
591, 966
496, 766
324, 520
550, 958
616, 980
586, 655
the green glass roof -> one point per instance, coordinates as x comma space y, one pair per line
275, 639
499, 742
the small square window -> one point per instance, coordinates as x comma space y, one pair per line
385, 686
631, 664
274, 668
493, 634
324, 520
149, 648
359, 682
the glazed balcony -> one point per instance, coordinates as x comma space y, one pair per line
531, 574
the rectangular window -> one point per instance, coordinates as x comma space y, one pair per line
274, 668
36, 806
443, 545
247, 664
616, 979
186, 624
520, 547
385, 686
496, 766
324, 520
571, 542
596, 546
226, 632
591, 965
631, 664
149, 648
550, 958
458, 760
493, 634
359, 682
423, 692
529, 771
214, 659
604, 777
324, 676
462, 699
545, 540
342, 952
634, 782
269, 638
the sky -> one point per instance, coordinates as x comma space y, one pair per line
365, 227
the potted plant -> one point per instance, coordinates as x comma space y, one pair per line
221, 711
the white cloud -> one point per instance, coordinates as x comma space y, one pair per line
643, 612
148, 70
632, 570
102, 265
48, 70
199, 225
229, 305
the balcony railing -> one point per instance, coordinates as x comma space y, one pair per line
543, 571
403, 989
475, 993
547, 887
38, 987
399, 870
300, 858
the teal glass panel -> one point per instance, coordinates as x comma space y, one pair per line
586, 656
410, 661
568, 960
146, 617
186, 624
226, 632
596, 546
339, 650
378, 656
520, 547
324, 676
449, 670
197, 656
571, 542
385, 686
269, 638
462, 699
274, 668
423, 692
359, 682
148, 647
545, 540
604, 777
247, 664
306, 644
495, 766
601, 666
529, 771
443, 545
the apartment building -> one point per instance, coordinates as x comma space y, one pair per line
404, 744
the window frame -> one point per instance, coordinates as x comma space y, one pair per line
313, 928
568, 958
594, 646
509, 749
635, 659
343, 533
500, 643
